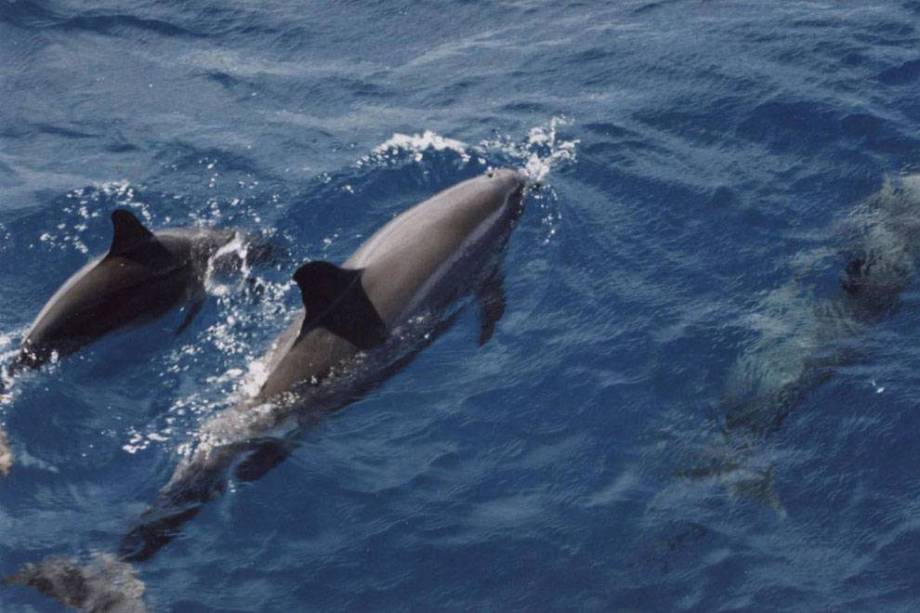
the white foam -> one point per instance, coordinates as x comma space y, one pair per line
540, 152
236, 246
417, 144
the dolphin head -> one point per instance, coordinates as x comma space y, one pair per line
509, 184
489, 202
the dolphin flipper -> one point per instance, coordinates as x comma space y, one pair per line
491, 305
194, 307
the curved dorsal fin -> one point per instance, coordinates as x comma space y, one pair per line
129, 232
334, 298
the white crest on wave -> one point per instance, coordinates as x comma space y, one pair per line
537, 155
416, 144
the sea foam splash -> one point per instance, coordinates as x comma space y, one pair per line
537, 155
417, 144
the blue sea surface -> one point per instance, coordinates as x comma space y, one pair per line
693, 165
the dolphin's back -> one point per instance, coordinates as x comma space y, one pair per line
403, 261
104, 296
396, 270
141, 277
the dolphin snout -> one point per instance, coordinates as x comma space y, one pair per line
512, 181
508, 174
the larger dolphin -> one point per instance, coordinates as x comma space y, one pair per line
350, 335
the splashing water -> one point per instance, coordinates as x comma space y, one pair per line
537, 155
237, 249
417, 144
541, 151
88, 203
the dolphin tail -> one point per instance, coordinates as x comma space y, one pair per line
757, 485
176, 504
740, 482
193, 487
105, 584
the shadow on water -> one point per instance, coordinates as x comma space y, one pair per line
803, 339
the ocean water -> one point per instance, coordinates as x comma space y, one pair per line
683, 408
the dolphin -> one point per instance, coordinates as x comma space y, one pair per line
806, 340
881, 247
361, 322
142, 276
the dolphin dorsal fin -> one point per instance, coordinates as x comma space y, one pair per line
129, 232
334, 298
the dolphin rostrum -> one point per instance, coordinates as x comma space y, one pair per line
353, 331
143, 275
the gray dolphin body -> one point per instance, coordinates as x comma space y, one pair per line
348, 337
142, 276
351, 335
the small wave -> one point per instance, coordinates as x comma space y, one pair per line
543, 150
537, 154
416, 145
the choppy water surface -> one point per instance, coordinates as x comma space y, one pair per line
683, 408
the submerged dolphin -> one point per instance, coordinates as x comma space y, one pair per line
808, 340
880, 251
142, 276
352, 334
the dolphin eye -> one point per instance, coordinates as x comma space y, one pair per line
490, 174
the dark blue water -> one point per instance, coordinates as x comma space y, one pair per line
698, 160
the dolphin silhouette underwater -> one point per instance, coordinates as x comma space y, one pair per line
142, 276
806, 340
352, 334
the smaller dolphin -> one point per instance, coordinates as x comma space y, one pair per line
143, 275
